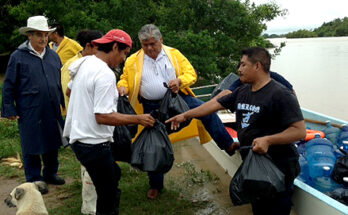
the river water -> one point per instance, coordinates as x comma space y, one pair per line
318, 70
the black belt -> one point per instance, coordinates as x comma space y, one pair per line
146, 101
92, 145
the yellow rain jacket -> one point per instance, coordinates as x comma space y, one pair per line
65, 79
131, 79
67, 49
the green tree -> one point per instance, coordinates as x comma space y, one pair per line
210, 33
335, 28
301, 34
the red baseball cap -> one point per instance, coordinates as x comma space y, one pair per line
115, 35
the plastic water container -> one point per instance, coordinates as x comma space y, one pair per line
338, 153
344, 135
301, 147
344, 146
304, 174
331, 133
320, 153
324, 183
345, 182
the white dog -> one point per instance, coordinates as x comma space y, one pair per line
27, 198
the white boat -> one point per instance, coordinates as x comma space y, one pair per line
306, 199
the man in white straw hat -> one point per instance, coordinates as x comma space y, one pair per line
32, 94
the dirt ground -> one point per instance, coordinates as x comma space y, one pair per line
213, 193
216, 192
6, 186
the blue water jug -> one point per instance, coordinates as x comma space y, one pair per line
344, 135
324, 183
345, 146
304, 174
331, 133
338, 153
320, 153
345, 182
301, 147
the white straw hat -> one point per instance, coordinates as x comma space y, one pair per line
36, 23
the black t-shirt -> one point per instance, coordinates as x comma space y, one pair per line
270, 110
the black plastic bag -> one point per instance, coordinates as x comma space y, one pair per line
237, 194
172, 104
152, 150
122, 146
257, 177
225, 84
123, 106
341, 168
340, 194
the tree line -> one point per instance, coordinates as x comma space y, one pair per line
210, 33
336, 28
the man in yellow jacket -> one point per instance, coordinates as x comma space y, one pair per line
85, 38
142, 79
65, 47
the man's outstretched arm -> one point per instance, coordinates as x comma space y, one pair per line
200, 111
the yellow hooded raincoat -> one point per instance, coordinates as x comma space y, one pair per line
131, 79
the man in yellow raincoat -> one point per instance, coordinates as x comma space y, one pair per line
142, 79
65, 47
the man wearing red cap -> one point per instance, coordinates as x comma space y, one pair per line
92, 116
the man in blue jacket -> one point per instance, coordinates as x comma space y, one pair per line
32, 94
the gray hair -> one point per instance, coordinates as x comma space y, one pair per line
148, 31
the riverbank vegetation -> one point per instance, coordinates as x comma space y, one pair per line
210, 34
335, 28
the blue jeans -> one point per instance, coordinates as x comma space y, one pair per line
212, 124
32, 165
104, 172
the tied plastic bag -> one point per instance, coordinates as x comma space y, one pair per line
123, 134
123, 106
89, 195
257, 177
152, 150
340, 194
172, 104
121, 148
341, 168
225, 84
237, 194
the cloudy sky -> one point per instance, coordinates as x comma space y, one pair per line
305, 14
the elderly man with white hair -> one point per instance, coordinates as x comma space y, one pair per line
142, 79
32, 94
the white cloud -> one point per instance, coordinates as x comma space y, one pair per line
305, 14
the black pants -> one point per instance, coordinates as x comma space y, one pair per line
104, 172
279, 205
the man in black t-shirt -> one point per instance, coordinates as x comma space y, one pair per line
268, 118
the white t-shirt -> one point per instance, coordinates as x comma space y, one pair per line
93, 91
